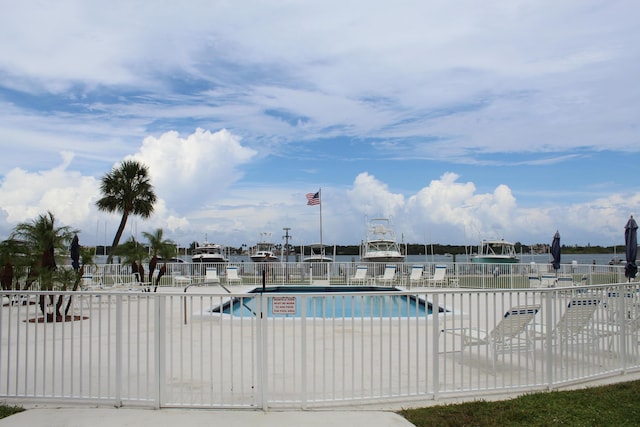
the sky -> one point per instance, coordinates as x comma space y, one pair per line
458, 120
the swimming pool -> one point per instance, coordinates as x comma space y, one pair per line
334, 303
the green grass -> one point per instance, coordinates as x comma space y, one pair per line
611, 405
6, 410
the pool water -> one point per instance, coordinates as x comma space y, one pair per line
329, 305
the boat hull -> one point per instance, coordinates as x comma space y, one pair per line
208, 259
318, 259
264, 259
494, 260
383, 258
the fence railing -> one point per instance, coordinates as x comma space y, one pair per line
203, 347
459, 274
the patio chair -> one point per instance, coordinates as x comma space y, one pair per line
610, 330
439, 276
534, 282
360, 277
575, 325
180, 280
416, 278
232, 275
548, 280
563, 281
389, 275
211, 276
510, 335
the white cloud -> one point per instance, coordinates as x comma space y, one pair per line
445, 211
67, 194
372, 197
190, 172
529, 83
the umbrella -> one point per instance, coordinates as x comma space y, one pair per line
631, 242
75, 253
555, 250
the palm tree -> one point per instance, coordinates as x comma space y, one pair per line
159, 246
9, 258
127, 190
43, 241
134, 253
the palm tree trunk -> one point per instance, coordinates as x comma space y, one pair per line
76, 285
116, 238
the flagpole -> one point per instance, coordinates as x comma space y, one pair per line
321, 246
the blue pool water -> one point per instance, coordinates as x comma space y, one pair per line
329, 305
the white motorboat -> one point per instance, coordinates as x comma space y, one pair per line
209, 252
381, 244
264, 250
496, 252
317, 253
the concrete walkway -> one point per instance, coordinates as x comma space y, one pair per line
109, 417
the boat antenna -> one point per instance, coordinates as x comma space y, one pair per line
286, 238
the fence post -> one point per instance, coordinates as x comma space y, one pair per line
119, 352
548, 339
160, 345
435, 312
303, 352
261, 337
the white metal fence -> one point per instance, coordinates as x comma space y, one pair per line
459, 274
176, 348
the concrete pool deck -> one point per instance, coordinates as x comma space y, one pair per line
80, 416
108, 417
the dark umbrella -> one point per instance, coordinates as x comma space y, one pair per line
631, 242
555, 251
75, 253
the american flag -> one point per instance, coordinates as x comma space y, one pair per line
313, 198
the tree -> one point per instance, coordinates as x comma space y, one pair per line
134, 253
44, 241
128, 190
10, 263
159, 246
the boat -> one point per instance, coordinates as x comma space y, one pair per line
209, 252
264, 250
317, 253
381, 244
496, 252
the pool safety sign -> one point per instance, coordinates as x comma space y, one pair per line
284, 305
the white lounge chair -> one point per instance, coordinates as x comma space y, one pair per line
563, 281
360, 278
180, 280
510, 335
416, 277
575, 325
439, 276
622, 316
389, 275
548, 280
211, 276
534, 282
232, 275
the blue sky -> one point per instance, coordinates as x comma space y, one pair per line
459, 120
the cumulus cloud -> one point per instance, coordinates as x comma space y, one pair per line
446, 210
66, 193
372, 197
189, 172
356, 96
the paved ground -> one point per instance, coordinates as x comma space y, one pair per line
99, 417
